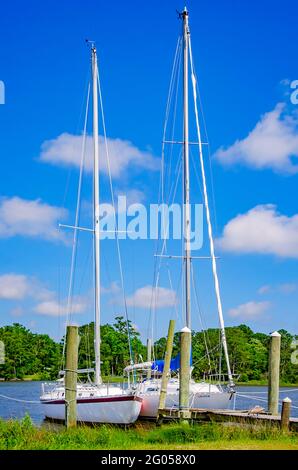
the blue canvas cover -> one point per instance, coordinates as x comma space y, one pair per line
174, 364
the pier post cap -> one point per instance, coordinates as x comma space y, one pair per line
185, 330
287, 400
275, 333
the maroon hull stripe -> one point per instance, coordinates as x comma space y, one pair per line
94, 400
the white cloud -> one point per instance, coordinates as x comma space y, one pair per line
158, 297
264, 289
273, 143
65, 150
19, 286
113, 289
133, 196
14, 286
30, 218
262, 230
249, 310
287, 288
54, 308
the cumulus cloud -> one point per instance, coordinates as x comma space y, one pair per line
249, 310
273, 143
262, 230
133, 196
20, 286
264, 289
158, 297
54, 308
113, 288
30, 218
65, 150
14, 286
287, 288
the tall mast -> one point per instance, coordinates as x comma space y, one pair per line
96, 216
187, 251
209, 225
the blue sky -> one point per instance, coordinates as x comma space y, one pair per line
245, 60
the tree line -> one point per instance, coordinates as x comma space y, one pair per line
37, 355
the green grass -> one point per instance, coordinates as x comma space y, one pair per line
32, 377
20, 435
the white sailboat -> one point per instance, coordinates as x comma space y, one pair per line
96, 402
202, 394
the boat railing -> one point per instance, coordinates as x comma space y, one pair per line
219, 379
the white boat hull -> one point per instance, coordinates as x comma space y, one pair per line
99, 407
202, 395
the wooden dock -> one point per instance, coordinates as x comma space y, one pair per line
198, 414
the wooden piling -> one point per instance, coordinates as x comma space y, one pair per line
166, 367
149, 354
274, 364
72, 343
184, 373
285, 414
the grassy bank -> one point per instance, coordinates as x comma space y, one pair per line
23, 434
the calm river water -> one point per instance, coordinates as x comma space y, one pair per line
30, 391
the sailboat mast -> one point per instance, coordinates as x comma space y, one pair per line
186, 183
96, 216
209, 225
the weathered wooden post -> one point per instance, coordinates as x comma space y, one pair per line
72, 343
166, 367
273, 379
285, 414
184, 373
149, 353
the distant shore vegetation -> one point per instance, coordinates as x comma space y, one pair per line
33, 356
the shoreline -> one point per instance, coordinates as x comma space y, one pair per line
120, 379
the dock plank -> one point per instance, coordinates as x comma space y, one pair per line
198, 414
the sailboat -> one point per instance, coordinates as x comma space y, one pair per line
96, 402
203, 394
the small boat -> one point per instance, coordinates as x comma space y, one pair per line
96, 402
203, 394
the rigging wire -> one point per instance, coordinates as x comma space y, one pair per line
163, 250
208, 154
77, 217
199, 311
116, 227
161, 188
214, 266
177, 81
66, 191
